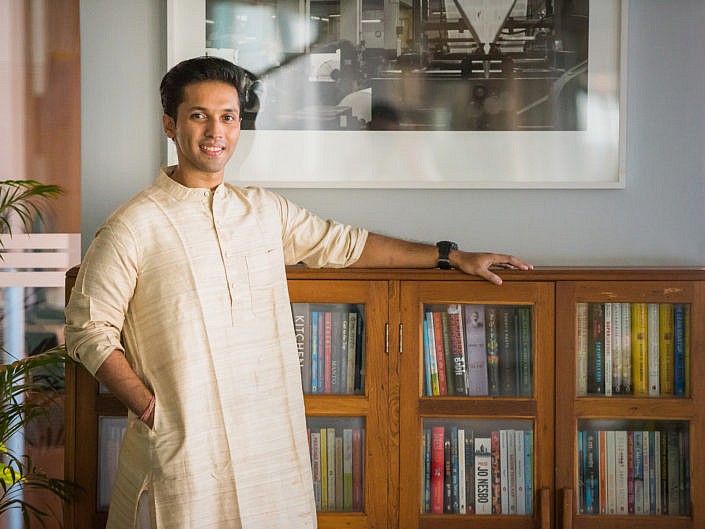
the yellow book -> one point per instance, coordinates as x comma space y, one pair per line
666, 348
640, 360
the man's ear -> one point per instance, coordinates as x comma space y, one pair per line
169, 126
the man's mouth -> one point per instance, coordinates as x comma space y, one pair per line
212, 150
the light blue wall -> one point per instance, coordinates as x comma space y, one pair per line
658, 219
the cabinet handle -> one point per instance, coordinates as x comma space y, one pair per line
386, 338
545, 508
567, 509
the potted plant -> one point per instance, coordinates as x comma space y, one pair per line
26, 392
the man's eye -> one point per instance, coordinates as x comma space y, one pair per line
230, 118
198, 115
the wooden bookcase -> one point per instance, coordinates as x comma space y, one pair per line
396, 409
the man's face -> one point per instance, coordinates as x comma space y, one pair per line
206, 131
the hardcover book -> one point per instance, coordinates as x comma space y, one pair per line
475, 341
483, 475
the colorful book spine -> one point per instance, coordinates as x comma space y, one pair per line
507, 352
483, 475
529, 471
653, 348
437, 468
520, 471
428, 384
314, 352
454, 471
611, 472
302, 333
666, 335
436, 332
640, 378
475, 342
607, 364
315, 445
347, 470
525, 352
426, 487
617, 355
456, 340
581, 344
596, 349
679, 351
500, 467
462, 469
435, 388
492, 342
470, 471
627, 386
447, 474
621, 478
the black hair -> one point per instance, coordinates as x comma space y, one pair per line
205, 68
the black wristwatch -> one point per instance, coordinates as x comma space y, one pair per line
444, 248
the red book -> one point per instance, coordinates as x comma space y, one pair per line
437, 468
496, 474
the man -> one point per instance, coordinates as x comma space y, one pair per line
181, 309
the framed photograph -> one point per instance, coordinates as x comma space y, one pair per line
420, 93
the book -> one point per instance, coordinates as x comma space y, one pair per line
617, 355
492, 344
679, 351
454, 471
437, 468
449, 369
433, 361
315, 445
301, 317
640, 378
314, 352
581, 345
656, 482
607, 364
462, 469
435, 333
428, 384
476, 349
666, 365
347, 470
327, 350
630, 472
525, 352
626, 348
529, 470
358, 442
653, 348
426, 486
483, 471
647, 472
359, 379
602, 462
592, 473
324, 468
500, 467
520, 472
470, 471
336, 337
611, 472
674, 472
339, 473
621, 478
507, 352
686, 347
447, 473
331, 466
456, 341
352, 344
596, 349
638, 473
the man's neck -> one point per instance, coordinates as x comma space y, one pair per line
196, 180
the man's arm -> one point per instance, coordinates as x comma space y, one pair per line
387, 252
115, 372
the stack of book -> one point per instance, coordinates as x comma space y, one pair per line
337, 466
331, 345
633, 349
634, 472
478, 350
469, 472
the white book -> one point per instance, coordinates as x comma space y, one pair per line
520, 474
652, 347
462, 506
611, 472
621, 480
608, 349
581, 341
504, 471
476, 350
483, 475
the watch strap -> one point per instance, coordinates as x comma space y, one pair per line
444, 249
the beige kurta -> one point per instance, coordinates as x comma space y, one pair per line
195, 282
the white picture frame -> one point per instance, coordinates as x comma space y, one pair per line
592, 158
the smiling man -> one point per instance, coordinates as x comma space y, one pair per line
181, 309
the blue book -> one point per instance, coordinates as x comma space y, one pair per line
528, 470
679, 331
426, 359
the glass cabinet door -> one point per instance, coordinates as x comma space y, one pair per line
626, 354
340, 329
476, 404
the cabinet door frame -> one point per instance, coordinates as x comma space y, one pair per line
570, 407
414, 407
373, 405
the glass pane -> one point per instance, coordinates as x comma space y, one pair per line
478, 350
110, 433
477, 466
337, 447
331, 344
634, 467
633, 349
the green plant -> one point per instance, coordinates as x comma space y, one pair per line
24, 199
23, 398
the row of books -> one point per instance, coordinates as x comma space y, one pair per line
470, 473
338, 468
478, 350
634, 472
633, 348
330, 343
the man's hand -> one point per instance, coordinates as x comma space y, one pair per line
480, 264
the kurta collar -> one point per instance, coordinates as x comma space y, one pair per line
181, 192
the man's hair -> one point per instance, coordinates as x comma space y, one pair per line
201, 69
